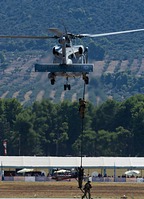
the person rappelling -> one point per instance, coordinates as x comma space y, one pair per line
82, 106
80, 176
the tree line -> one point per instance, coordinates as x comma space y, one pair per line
47, 129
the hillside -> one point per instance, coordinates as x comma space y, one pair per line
118, 75
116, 79
29, 17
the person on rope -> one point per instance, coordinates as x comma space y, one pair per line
80, 176
82, 106
87, 188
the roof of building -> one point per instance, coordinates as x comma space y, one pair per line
70, 162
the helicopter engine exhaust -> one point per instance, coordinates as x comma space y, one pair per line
81, 50
55, 50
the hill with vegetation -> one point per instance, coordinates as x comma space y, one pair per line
118, 71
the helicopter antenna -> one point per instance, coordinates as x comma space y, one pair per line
64, 26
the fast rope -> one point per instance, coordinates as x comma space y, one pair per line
82, 125
87, 186
82, 105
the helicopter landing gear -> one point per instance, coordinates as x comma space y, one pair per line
86, 79
52, 81
67, 86
52, 76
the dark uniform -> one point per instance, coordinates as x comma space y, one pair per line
87, 188
80, 176
82, 106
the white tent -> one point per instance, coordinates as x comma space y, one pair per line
132, 172
71, 162
62, 171
25, 170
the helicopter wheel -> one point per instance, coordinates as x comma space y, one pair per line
69, 86
65, 87
52, 81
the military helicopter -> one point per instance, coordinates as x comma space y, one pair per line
69, 60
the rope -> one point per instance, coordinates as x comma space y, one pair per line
84, 92
82, 127
82, 113
82, 130
81, 140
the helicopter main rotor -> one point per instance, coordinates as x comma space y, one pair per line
60, 34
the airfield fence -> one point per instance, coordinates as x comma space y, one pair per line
44, 179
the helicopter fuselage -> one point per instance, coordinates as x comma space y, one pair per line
69, 55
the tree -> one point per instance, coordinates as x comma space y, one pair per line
12, 108
61, 138
68, 113
104, 117
106, 143
45, 124
124, 142
27, 136
138, 125
96, 51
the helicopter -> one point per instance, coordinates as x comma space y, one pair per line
68, 60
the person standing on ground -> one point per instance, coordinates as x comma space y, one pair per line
87, 188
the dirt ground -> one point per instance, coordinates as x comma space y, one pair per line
68, 189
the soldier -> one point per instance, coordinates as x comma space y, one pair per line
80, 176
87, 188
82, 106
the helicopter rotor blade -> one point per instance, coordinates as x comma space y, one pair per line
56, 31
59, 34
26, 37
107, 34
